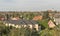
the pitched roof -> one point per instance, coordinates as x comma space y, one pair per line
51, 24
15, 21
33, 21
21, 21
37, 18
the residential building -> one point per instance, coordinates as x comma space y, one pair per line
14, 18
51, 24
22, 23
57, 18
2, 18
37, 18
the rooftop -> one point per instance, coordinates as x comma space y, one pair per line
21, 21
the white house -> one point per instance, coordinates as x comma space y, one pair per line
22, 23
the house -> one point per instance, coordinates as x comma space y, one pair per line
37, 18
22, 23
2, 18
57, 18
51, 24
15, 18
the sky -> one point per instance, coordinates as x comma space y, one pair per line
29, 5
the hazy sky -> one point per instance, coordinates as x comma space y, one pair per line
29, 5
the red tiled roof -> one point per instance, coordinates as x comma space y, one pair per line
37, 18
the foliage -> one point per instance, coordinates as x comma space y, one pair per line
43, 23
34, 32
28, 16
46, 15
28, 32
6, 30
46, 32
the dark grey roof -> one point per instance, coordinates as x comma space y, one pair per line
21, 21
15, 21
33, 21
27, 22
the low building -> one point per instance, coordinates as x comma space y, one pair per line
57, 20
2, 18
37, 18
22, 23
51, 24
15, 18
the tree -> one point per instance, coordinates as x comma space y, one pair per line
5, 31
25, 31
28, 32
7, 16
45, 15
31, 16
22, 31
46, 32
34, 32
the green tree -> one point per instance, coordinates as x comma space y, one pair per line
28, 32
46, 32
34, 32
22, 31
45, 15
